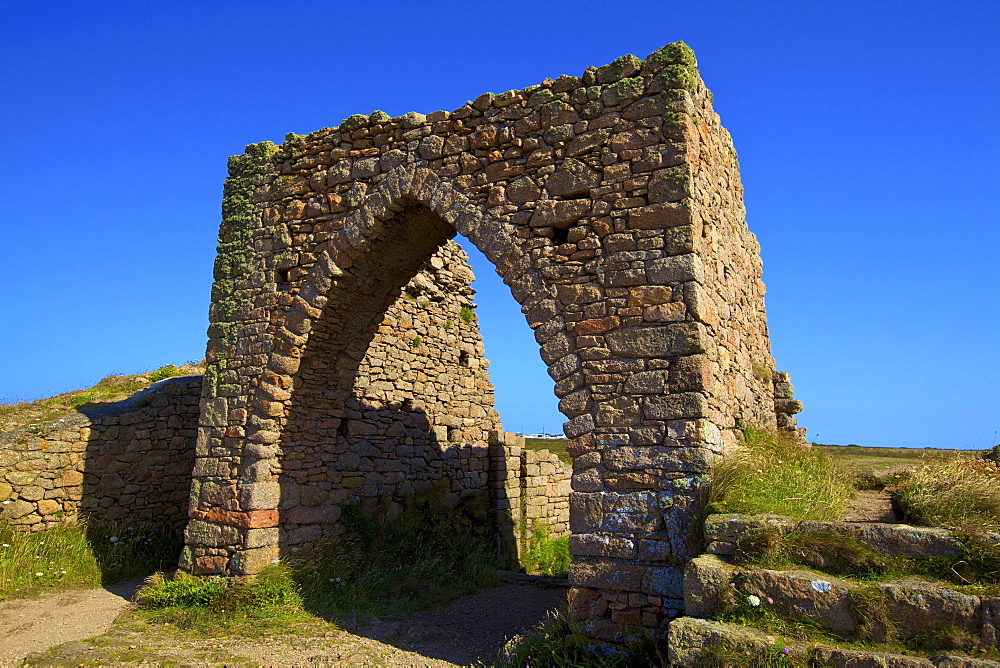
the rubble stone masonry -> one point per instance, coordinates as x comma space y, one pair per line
129, 461
610, 204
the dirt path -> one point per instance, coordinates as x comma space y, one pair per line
871, 506
31, 625
472, 628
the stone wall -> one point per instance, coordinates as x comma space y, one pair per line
129, 461
609, 203
528, 488
545, 481
416, 409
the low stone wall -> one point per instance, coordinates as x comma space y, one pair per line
527, 487
545, 487
130, 460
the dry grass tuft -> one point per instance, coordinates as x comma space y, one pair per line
770, 474
962, 494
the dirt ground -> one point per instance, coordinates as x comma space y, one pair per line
871, 506
81, 627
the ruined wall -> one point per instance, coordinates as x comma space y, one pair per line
609, 203
129, 461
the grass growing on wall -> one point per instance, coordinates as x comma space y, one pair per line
110, 389
770, 474
66, 557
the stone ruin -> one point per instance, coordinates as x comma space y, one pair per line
343, 364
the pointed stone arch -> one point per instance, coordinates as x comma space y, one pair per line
611, 206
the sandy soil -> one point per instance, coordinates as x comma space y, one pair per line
472, 628
30, 625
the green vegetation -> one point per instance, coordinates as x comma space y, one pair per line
544, 555
959, 493
859, 460
556, 446
109, 390
772, 475
387, 560
165, 371
467, 315
82, 556
397, 559
556, 641
243, 606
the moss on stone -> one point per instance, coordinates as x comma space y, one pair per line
675, 53
628, 88
248, 173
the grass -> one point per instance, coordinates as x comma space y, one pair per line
557, 446
544, 555
958, 493
14, 414
770, 474
555, 641
246, 606
380, 564
81, 556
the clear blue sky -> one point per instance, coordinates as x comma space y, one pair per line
867, 134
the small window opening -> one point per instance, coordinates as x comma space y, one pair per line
281, 277
560, 235
463, 359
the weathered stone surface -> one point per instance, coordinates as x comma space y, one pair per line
895, 539
688, 638
732, 527
706, 586
572, 179
615, 218
823, 599
836, 656
687, 338
916, 606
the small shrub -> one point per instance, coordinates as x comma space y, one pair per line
467, 314
960, 493
208, 604
771, 474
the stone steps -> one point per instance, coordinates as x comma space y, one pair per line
906, 609
693, 642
